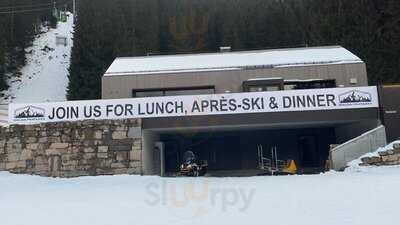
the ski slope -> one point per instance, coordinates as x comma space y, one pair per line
45, 75
3, 115
369, 197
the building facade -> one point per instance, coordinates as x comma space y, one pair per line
231, 142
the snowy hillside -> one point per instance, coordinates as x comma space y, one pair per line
3, 115
44, 78
349, 198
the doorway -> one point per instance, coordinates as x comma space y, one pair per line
172, 158
308, 153
390, 110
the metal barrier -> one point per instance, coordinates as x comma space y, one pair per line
355, 148
272, 165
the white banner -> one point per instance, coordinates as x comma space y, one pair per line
216, 104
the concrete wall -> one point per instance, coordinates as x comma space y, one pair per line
355, 148
72, 149
121, 86
151, 159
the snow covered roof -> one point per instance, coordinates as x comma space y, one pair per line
231, 60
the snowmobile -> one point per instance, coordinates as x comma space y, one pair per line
191, 166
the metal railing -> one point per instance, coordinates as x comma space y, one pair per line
272, 165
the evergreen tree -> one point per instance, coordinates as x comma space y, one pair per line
108, 29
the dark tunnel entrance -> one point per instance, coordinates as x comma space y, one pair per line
235, 152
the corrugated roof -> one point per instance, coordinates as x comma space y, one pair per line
231, 60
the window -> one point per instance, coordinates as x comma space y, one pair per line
189, 92
263, 84
264, 88
272, 88
173, 91
141, 94
256, 88
309, 84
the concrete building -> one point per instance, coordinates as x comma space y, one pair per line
231, 142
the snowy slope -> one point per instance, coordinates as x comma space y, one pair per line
45, 76
3, 115
349, 198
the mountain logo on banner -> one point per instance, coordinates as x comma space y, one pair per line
355, 97
29, 113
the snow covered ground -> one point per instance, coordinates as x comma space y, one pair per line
356, 198
45, 76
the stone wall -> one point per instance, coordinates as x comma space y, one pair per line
72, 149
386, 158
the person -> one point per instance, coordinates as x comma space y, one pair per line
189, 157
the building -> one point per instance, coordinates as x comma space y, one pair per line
232, 142
389, 98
